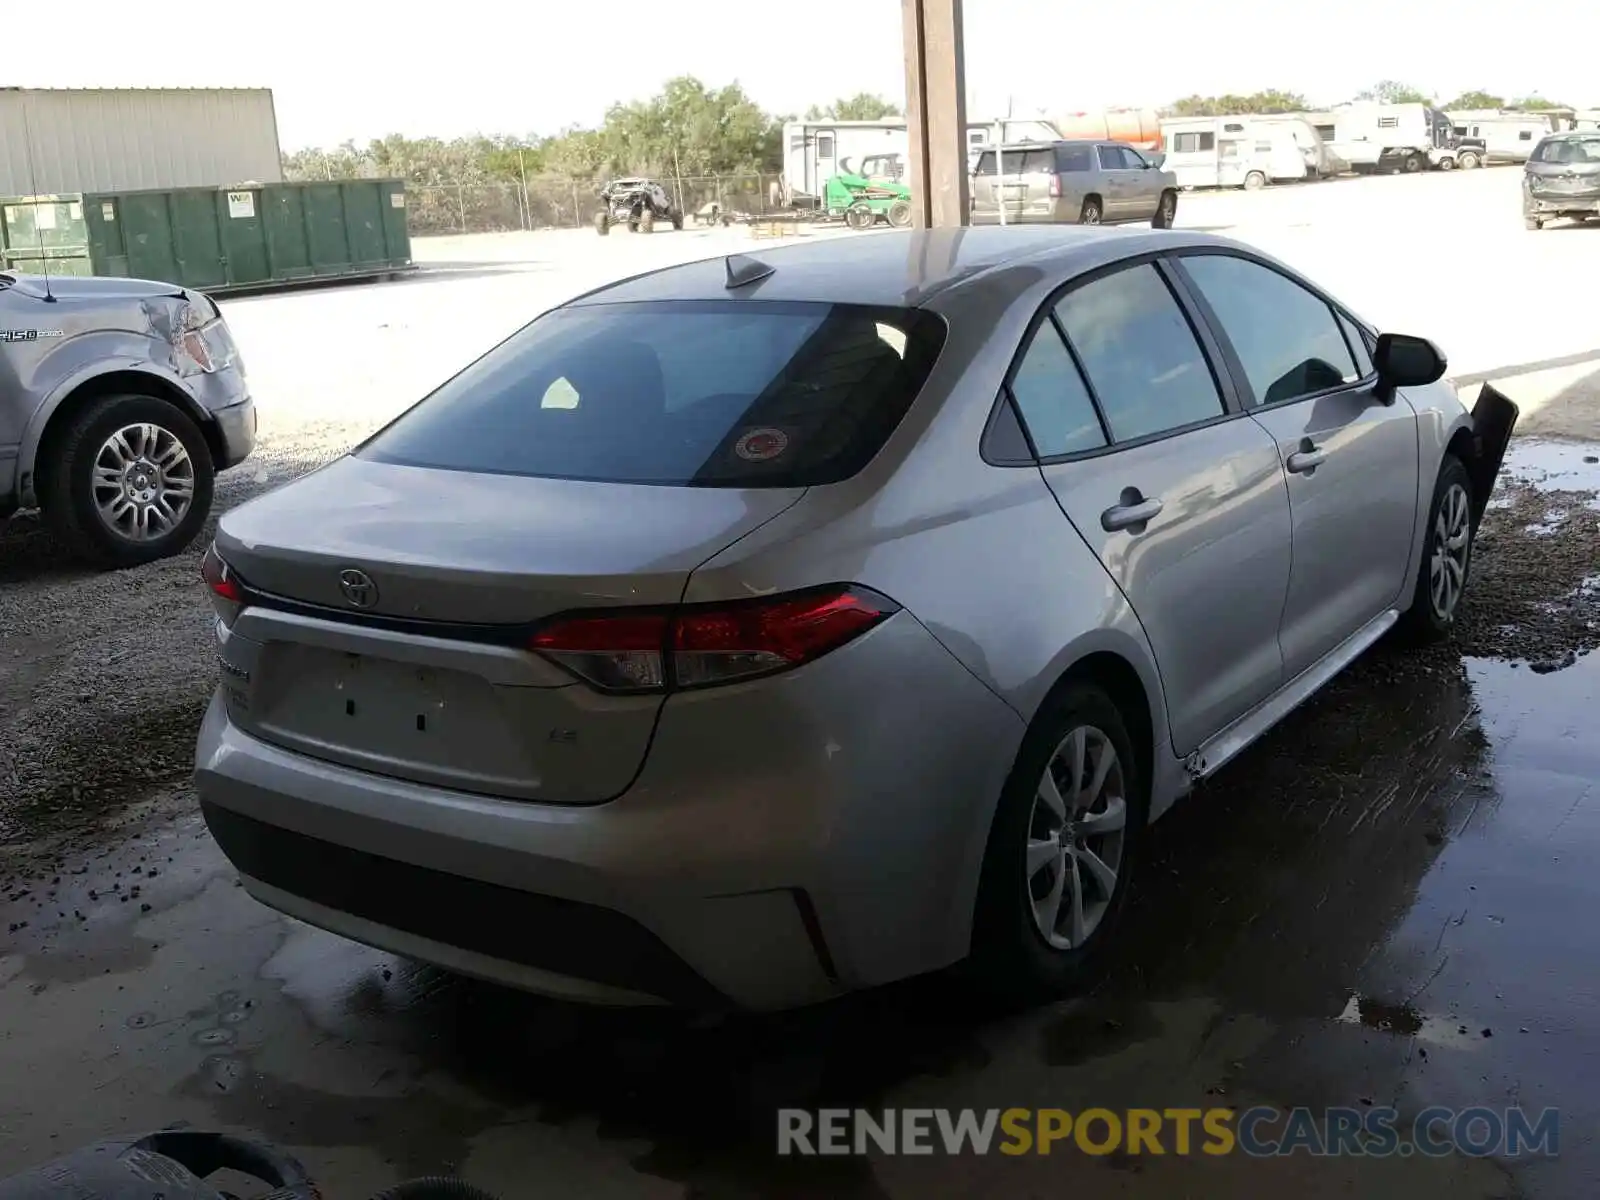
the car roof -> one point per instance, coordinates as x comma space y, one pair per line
896, 269
1038, 144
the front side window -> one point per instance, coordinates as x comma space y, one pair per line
1052, 400
1142, 358
1287, 338
694, 394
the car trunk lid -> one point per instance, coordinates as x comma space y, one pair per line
389, 608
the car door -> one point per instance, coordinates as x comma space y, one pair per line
1144, 185
1350, 460
1077, 175
1113, 177
1178, 494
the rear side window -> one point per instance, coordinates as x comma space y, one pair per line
1141, 356
1287, 338
1110, 158
1052, 399
1193, 143
703, 394
1037, 162
1072, 159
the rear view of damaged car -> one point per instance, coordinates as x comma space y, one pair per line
1561, 180
120, 399
719, 639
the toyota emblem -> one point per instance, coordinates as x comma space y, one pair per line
358, 588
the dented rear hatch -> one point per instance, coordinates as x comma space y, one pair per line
592, 462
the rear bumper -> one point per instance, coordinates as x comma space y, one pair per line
1534, 205
785, 840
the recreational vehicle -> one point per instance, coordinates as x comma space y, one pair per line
1213, 152
1313, 145
1509, 137
1392, 137
816, 151
1244, 151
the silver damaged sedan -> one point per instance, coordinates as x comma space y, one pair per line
755, 630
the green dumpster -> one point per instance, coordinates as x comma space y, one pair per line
246, 237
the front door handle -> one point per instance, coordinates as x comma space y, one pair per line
1134, 512
1308, 458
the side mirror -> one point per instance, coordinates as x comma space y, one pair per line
1156, 160
1405, 361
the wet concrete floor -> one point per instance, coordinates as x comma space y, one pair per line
1391, 901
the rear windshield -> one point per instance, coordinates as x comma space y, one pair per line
708, 394
1569, 150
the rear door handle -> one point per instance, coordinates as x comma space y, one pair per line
1308, 458
1131, 512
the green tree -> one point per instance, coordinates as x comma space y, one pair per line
1472, 100
690, 129
1535, 104
863, 106
1269, 101
1390, 91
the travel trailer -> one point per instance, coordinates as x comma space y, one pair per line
1211, 152
1392, 137
815, 151
1314, 148
1247, 150
1509, 137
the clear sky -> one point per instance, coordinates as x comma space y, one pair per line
345, 70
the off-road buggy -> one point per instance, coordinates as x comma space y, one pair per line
637, 203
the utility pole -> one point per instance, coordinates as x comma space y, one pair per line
936, 113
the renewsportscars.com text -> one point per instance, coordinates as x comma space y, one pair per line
1260, 1132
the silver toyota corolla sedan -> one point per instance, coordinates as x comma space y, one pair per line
751, 631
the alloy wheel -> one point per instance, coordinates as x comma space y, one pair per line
1452, 539
1076, 837
143, 482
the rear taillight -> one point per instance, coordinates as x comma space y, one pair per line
1055, 187
219, 577
227, 595
703, 645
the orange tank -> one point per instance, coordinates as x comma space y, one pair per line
1139, 127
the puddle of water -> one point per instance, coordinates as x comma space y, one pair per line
1554, 466
1403, 1020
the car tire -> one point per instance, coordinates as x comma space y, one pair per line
1255, 181
602, 223
1446, 565
1447, 164
1026, 855
1166, 211
1412, 164
677, 219
900, 214
1469, 162
1091, 213
1532, 223
647, 221
167, 451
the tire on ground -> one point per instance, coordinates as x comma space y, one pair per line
67, 487
1423, 623
1010, 957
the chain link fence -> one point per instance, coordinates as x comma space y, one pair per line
558, 202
